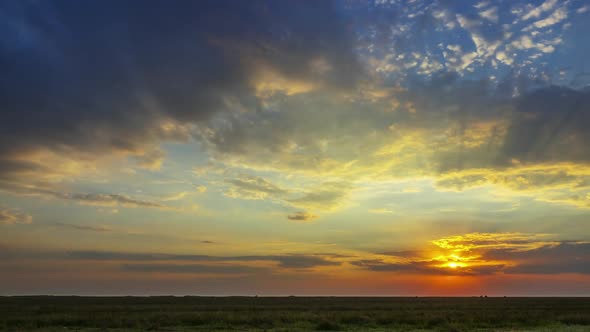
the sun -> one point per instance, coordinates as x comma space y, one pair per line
451, 261
455, 265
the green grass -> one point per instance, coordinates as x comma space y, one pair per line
48, 313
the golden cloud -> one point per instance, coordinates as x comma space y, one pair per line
486, 253
14, 216
477, 241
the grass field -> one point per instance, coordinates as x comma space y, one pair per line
49, 313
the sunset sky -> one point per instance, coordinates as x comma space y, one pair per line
387, 147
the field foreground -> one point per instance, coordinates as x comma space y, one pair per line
53, 313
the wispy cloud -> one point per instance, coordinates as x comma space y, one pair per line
302, 216
253, 187
10, 216
83, 227
97, 199
194, 268
295, 261
381, 211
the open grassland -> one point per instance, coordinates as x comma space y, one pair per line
50, 313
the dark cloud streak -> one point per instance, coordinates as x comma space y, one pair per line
193, 268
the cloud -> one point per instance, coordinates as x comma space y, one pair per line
580, 199
302, 216
465, 254
506, 241
520, 178
82, 227
304, 261
525, 42
145, 262
326, 196
490, 14
10, 216
484, 254
253, 187
537, 11
114, 80
490, 28
289, 261
461, 133
563, 257
96, 199
556, 17
412, 190
115, 256
424, 268
194, 268
559, 183
295, 136
578, 266
547, 121
176, 197
257, 98
151, 159
318, 196
343, 139
381, 211
108, 200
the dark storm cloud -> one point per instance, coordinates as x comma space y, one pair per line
101, 76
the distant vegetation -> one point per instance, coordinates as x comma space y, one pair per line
48, 313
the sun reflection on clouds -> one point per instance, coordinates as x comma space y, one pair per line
481, 254
512, 241
468, 252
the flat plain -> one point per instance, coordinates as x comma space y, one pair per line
192, 313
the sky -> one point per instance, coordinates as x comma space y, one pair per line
383, 148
